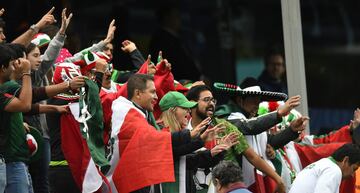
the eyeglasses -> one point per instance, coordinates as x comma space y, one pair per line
209, 99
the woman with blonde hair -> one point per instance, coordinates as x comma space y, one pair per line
175, 117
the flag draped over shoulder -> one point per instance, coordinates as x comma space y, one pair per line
82, 143
139, 154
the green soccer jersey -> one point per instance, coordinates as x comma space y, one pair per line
240, 147
13, 144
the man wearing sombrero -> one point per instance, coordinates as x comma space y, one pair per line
205, 108
242, 110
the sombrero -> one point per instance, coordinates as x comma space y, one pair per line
250, 91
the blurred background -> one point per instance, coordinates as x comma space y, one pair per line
225, 39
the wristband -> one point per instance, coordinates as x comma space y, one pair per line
26, 74
34, 28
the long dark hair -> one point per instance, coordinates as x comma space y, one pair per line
30, 48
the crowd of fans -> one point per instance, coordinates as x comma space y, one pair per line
70, 123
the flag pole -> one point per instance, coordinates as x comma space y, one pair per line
294, 53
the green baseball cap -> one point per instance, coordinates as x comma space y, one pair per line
175, 99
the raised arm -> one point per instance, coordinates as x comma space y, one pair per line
256, 125
26, 37
96, 47
136, 57
355, 122
22, 103
290, 133
262, 123
55, 45
2, 11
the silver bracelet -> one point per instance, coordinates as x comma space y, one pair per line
34, 28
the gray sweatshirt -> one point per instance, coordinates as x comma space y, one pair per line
39, 79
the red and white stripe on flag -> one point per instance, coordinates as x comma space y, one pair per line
141, 155
76, 152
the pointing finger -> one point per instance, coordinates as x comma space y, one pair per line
51, 11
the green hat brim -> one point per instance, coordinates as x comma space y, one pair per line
188, 104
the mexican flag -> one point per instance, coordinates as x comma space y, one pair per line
82, 142
338, 136
85, 173
140, 155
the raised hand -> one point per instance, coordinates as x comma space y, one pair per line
160, 58
101, 65
151, 68
355, 122
64, 21
163, 65
110, 32
47, 19
167, 65
210, 133
199, 128
160, 61
128, 46
230, 140
299, 124
2, 11
218, 149
291, 103
22, 66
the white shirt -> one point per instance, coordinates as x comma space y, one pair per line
112, 89
200, 173
258, 143
319, 177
